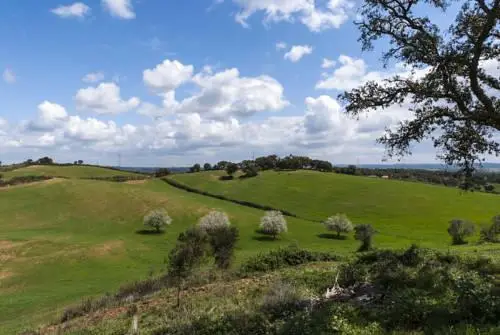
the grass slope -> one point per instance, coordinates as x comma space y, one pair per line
62, 240
411, 211
65, 171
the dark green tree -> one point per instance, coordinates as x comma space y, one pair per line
207, 167
222, 242
188, 253
364, 233
231, 168
455, 98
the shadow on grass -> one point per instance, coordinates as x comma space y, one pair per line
332, 236
149, 232
262, 236
224, 178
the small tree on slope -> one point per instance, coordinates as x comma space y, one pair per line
157, 219
339, 223
273, 223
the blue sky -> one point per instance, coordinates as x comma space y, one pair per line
219, 87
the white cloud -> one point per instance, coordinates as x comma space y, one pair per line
351, 73
50, 116
328, 63
297, 52
120, 8
9, 76
280, 46
151, 110
308, 12
225, 94
77, 9
168, 75
104, 99
93, 77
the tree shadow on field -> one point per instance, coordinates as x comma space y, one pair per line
149, 232
332, 237
262, 237
225, 178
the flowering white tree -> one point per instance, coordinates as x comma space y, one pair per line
213, 221
157, 219
339, 223
273, 223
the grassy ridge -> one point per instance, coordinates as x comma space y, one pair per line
66, 171
414, 211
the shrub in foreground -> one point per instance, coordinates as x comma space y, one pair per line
364, 233
222, 242
214, 220
157, 219
273, 223
459, 230
284, 257
339, 223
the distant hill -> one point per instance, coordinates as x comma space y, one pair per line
151, 169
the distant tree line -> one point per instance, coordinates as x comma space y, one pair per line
251, 168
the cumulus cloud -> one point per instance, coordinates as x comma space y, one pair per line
309, 12
219, 95
122, 9
77, 9
93, 77
297, 52
168, 75
104, 99
9, 76
50, 116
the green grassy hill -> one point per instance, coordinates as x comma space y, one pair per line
62, 240
414, 211
65, 239
65, 171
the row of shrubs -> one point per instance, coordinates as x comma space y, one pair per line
460, 229
118, 179
22, 180
221, 197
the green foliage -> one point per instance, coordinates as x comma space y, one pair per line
162, 172
207, 167
364, 233
157, 219
22, 180
231, 168
459, 230
284, 257
280, 299
222, 242
186, 255
195, 168
490, 233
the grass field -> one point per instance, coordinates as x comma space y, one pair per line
65, 171
62, 240
415, 211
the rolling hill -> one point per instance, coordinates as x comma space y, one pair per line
65, 239
70, 171
415, 211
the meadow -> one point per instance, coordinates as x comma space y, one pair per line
65, 239
69, 171
407, 210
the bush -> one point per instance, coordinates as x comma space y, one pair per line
459, 229
213, 220
157, 219
284, 257
163, 172
190, 249
339, 223
364, 233
222, 242
231, 168
273, 223
281, 300
490, 233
